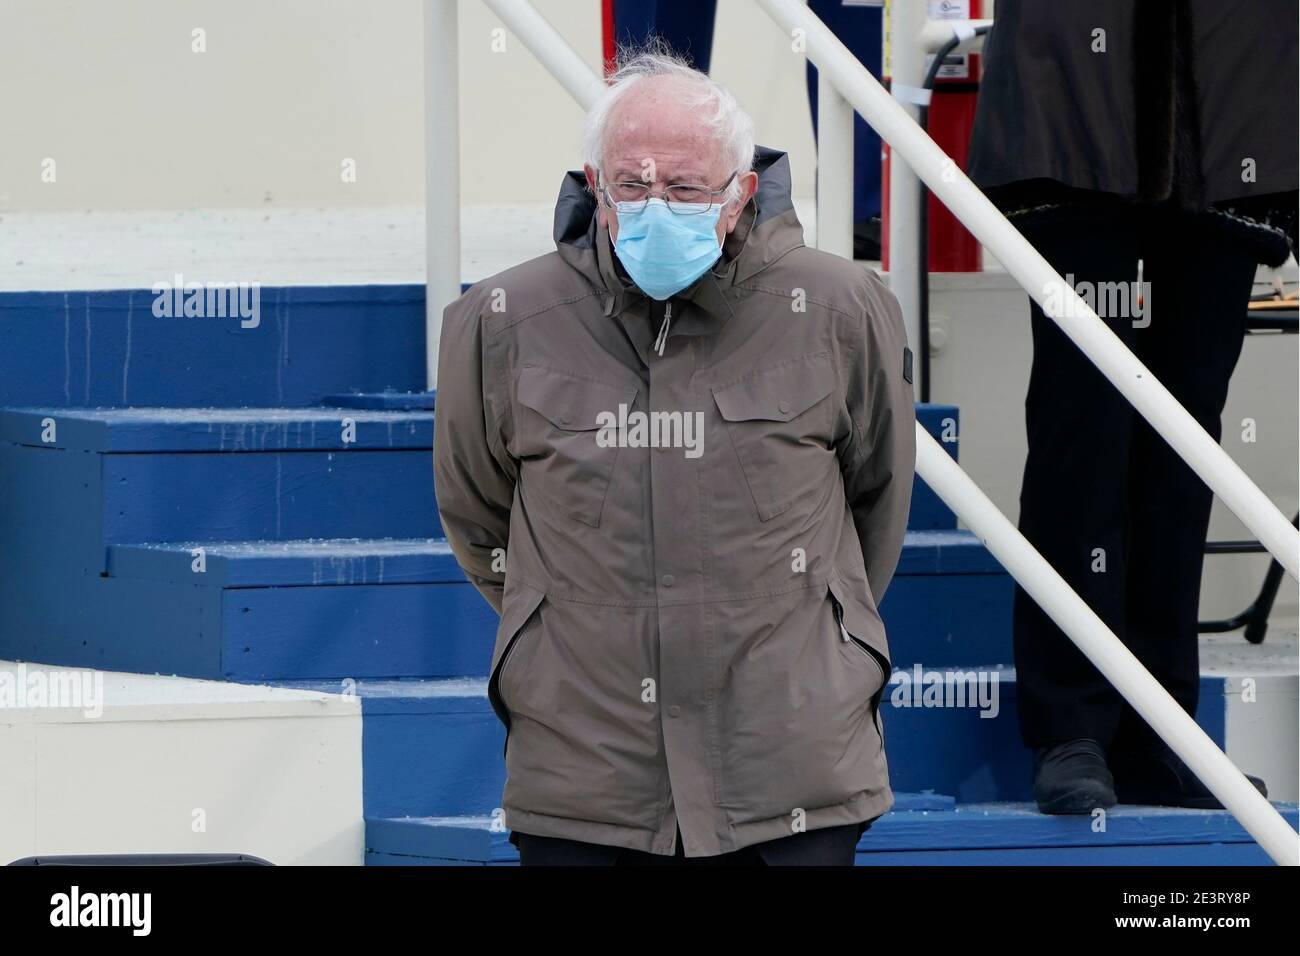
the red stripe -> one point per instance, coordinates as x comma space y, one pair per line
607, 33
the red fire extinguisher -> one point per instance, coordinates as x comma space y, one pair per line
951, 119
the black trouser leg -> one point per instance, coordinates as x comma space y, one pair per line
1099, 477
537, 850
1074, 497
1200, 287
831, 846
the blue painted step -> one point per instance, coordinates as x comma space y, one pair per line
138, 430
429, 747
217, 475
390, 401
949, 602
300, 610
270, 564
108, 348
187, 474
433, 748
376, 608
962, 835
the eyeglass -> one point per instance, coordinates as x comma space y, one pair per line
684, 199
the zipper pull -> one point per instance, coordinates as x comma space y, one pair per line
662, 339
839, 619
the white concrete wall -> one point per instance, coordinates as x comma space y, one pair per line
287, 90
271, 772
1259, 706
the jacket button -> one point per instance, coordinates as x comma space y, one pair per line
674, 711
784, 407
566, 417
667, 580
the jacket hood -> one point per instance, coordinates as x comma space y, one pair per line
768, 228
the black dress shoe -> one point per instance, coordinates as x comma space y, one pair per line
1072, 777
1161, 779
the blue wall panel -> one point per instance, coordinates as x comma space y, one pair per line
108, 348
361, 631
948, 619
222, 496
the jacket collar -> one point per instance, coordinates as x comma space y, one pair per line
708, 293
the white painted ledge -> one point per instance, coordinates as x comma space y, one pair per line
75, 251
175, 765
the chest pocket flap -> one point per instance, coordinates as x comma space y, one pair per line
567, 401
564, 460
777, 394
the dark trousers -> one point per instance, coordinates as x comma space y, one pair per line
829, 846
1105, 500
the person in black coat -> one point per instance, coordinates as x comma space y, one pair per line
1114, 133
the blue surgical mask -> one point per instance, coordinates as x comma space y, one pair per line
664, 251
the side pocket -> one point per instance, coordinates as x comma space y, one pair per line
861, 626
518, 607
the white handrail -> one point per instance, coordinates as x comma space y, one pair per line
953, 485
554, 52
906, 65
441, 174
1057, 297
1100, 645
834, 171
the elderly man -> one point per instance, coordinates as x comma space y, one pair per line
676, 456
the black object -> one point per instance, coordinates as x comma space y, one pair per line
1161, 779
1108, 96
144, 859
1072, 778
866, 239
1255, 618
1105, 500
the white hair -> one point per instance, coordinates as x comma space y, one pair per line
732, 127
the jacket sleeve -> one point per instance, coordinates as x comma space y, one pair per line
472, 472
880, 457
